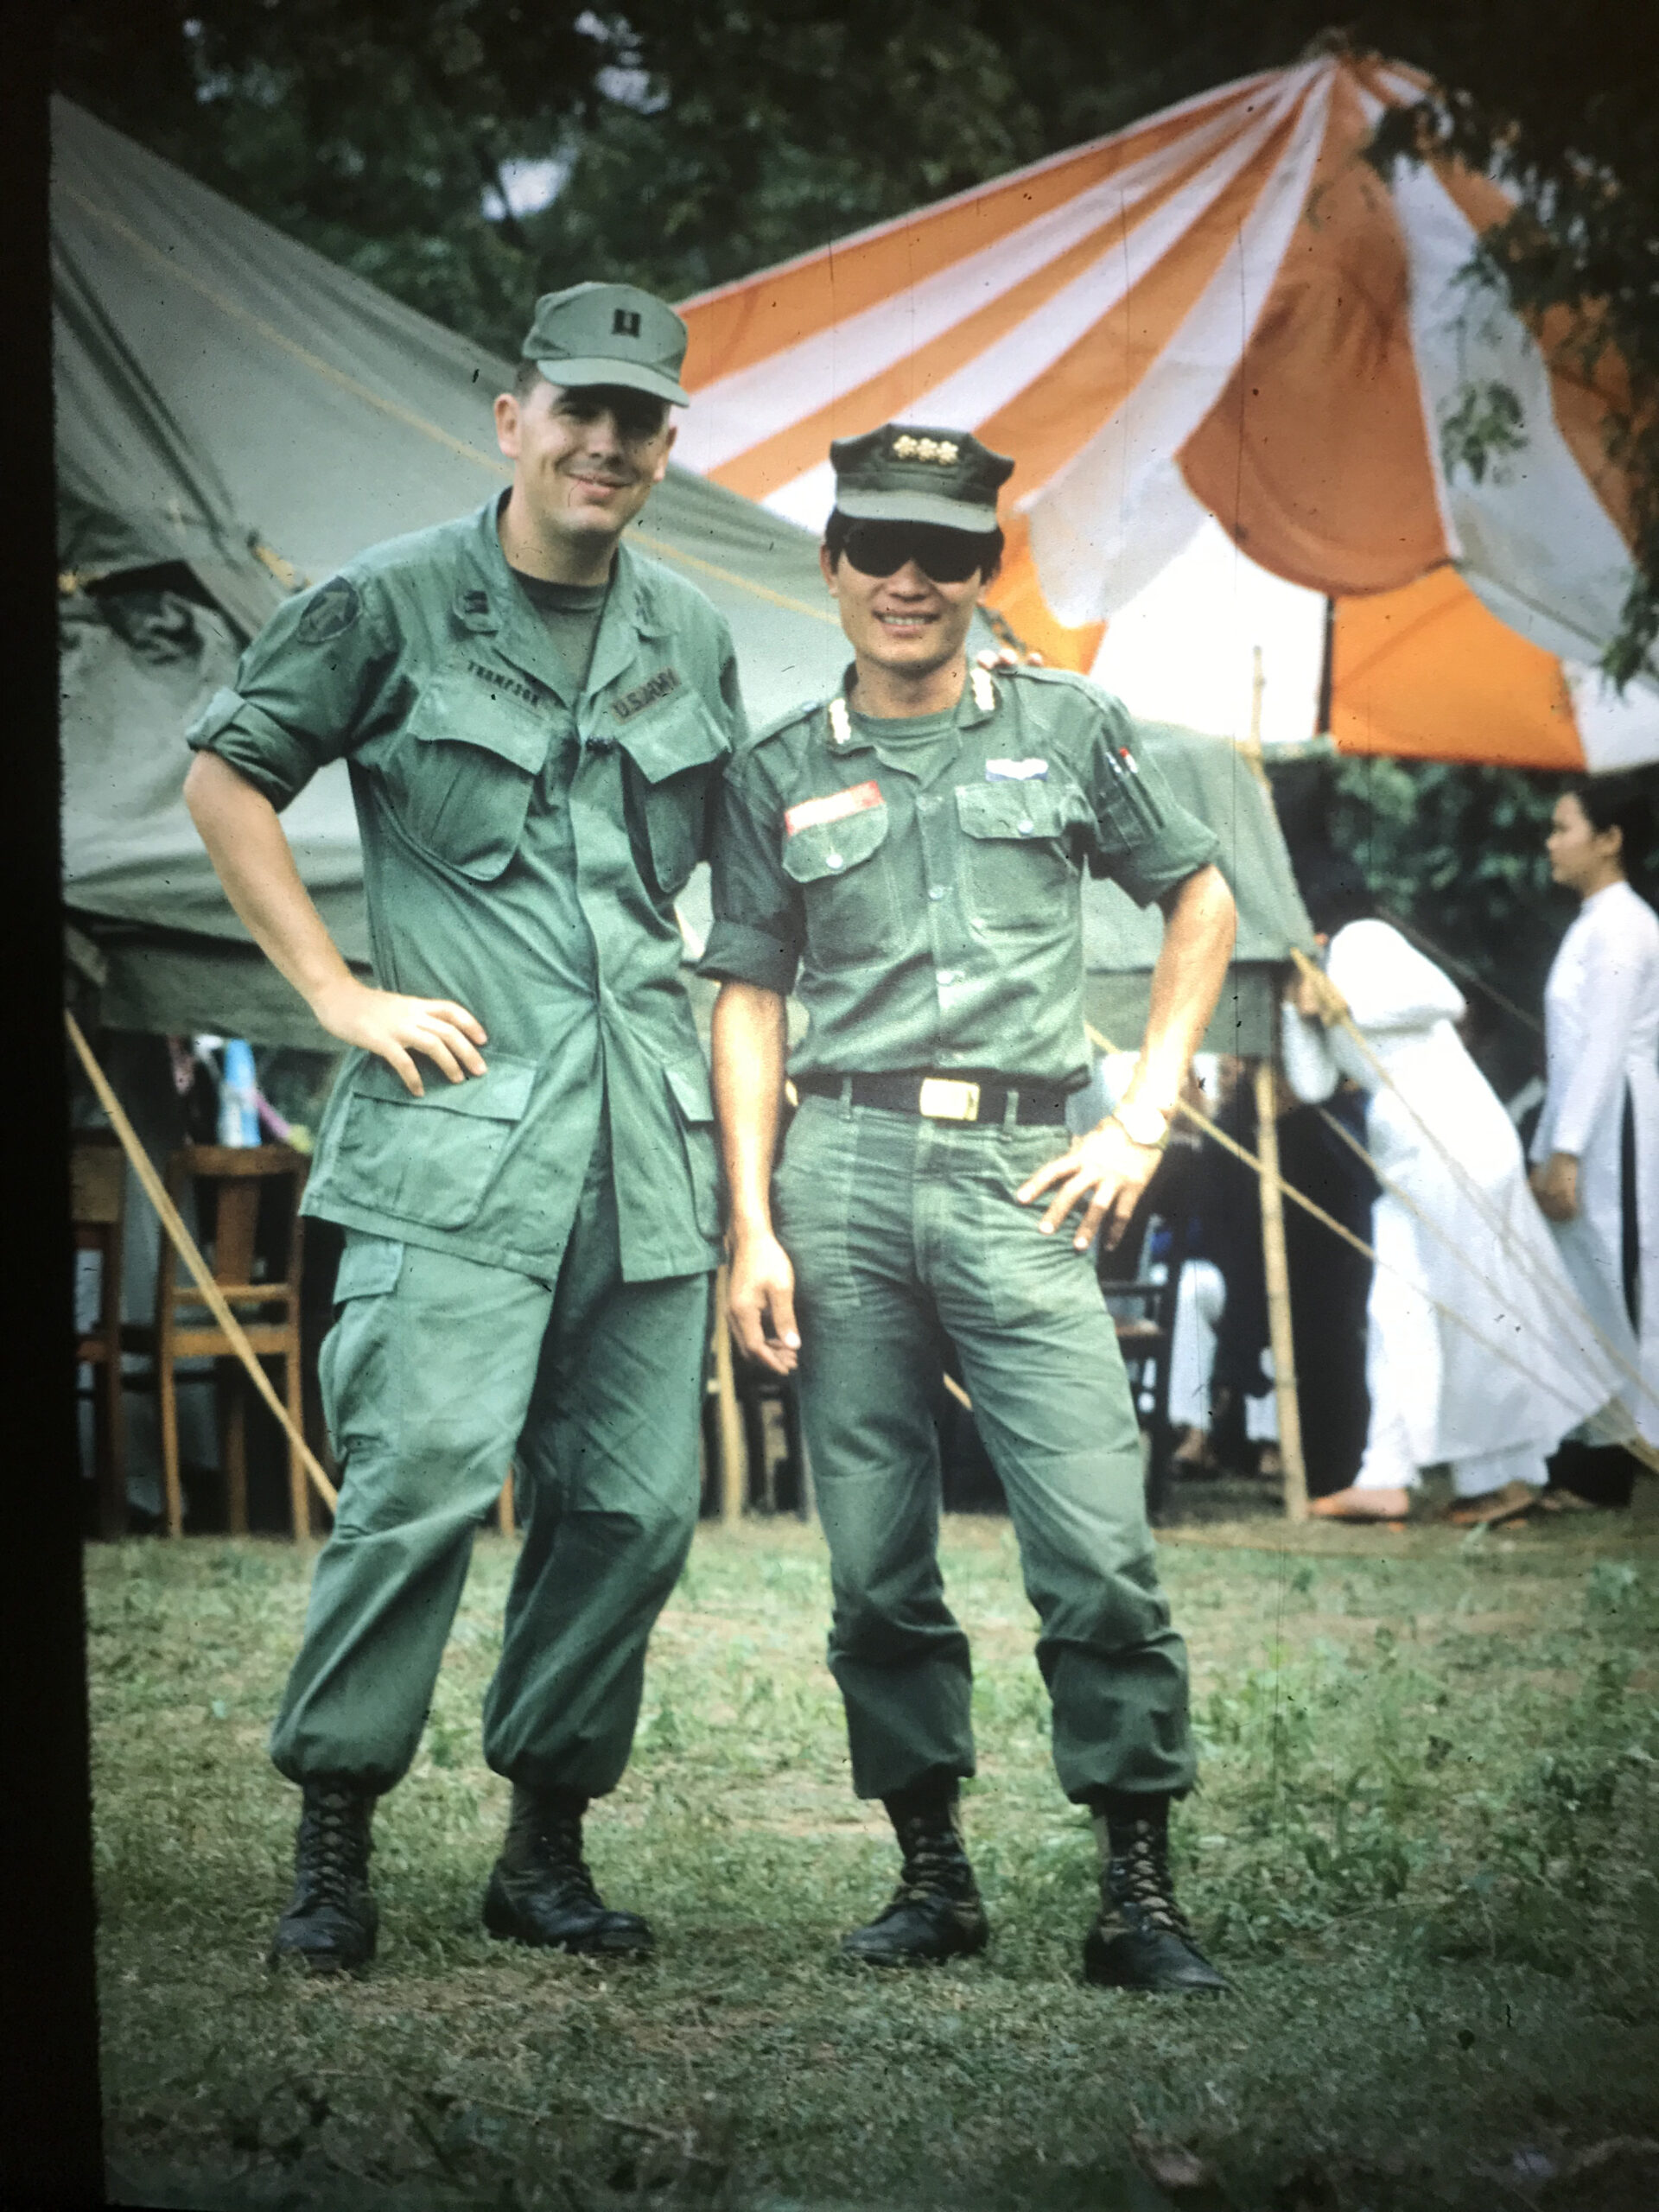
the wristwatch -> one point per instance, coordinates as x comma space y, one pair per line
1143, 1125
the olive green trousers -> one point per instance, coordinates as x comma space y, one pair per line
437, 1375
904, 1232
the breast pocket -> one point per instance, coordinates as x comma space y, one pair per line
673, 757
852, 915
428, 1159
1018, 862
461, 784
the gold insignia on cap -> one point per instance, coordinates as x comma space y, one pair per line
904, 448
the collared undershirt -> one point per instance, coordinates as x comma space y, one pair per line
571, 613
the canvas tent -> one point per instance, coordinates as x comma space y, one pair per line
1223, 316
1216, 781
230, 400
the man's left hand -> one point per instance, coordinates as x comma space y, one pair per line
1106, 1168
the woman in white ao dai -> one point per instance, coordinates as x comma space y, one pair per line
1596, 1147
1492, 1377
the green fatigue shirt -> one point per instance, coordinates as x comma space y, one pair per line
924, 875
524, 838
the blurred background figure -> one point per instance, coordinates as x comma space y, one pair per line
1478, 1353
1596, 1147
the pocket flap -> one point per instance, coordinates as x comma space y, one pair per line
1019, 809
828, 849
368, 1267
477, 706
663, 745
689, 1081
501, 1093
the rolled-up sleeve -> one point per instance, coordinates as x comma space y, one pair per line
307, 689
1147, 840
757, 932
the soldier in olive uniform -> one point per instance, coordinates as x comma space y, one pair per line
520, 1146
913, 852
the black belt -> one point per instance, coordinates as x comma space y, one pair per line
944, 1097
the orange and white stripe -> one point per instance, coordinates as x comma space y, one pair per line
1224, 313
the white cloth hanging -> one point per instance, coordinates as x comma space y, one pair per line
1601, 1035
1438, 1392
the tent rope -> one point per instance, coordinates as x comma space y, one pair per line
1461, 969
186, 1247
1604, 1420
1461, 1175
1637, 1445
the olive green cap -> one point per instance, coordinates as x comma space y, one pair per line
609, 333
906, 473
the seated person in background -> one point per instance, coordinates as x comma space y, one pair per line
1479, 1353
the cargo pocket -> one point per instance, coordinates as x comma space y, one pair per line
672, 762
694, 1106
852, 915
428, 1159
461, 788
353, 1371
1017, 862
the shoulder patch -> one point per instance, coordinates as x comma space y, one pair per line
330, 612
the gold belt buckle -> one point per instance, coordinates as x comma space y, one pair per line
942, 1099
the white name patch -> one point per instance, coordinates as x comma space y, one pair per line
1015, 771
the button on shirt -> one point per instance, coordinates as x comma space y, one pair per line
922, 877
524, 837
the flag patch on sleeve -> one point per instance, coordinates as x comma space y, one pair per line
833, 807
1015, 771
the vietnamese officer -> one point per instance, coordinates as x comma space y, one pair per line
912, 851
520, 1145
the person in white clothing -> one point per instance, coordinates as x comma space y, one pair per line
1596, 1147
1479, 1352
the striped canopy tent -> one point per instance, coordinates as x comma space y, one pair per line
1222, 331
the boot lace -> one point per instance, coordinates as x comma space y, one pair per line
335, 1844
1138, 1878
555, 1840
935, 1864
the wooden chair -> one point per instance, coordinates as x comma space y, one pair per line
229, 1181
97, 1193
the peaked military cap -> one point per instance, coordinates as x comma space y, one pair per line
609, 333
906, 473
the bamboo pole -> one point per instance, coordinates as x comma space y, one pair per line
733, 1455
185, 1245
1278, 1272
1252, 746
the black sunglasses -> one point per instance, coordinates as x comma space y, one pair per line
947, 556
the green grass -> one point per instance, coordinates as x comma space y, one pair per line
1424, 1848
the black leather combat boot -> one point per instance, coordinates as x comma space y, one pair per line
935, 1912
1141, 1939
331, 1920
540, 1891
